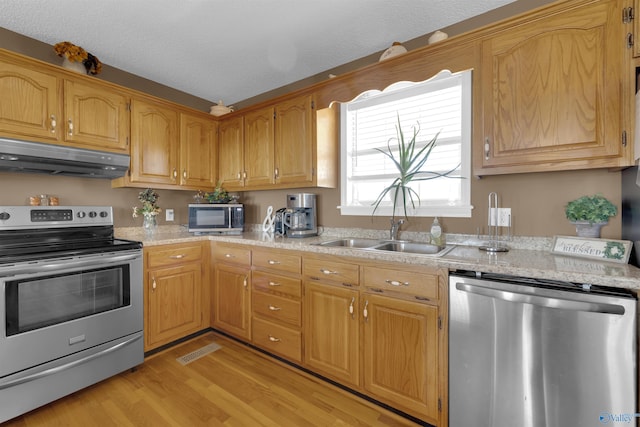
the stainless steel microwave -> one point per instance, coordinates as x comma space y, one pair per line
216, 218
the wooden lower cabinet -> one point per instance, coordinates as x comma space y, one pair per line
400, 352
174, 290
232, 300
276, 305
332, 332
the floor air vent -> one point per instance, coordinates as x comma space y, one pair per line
195, 355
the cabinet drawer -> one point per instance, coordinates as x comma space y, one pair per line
278, 339
407, 282
232, 254
269, 282
173, 254
277, 308
333, 271
277, 261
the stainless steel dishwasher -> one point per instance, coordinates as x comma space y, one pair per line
536, 353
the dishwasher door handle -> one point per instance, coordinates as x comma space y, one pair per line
542, 301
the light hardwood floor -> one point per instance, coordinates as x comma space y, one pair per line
232, 386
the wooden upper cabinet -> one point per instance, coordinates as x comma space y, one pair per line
551, 93
259, 147
29, 102
95, 117
198, 151
231, 153
154, 143
294, 130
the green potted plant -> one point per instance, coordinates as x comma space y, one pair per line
409, 160
589, 214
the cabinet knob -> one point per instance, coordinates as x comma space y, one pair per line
351, 310
153, 283
365, 312
245, 281
276, 173
487, 148
184, 173
175, 173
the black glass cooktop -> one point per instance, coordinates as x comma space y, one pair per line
35, 244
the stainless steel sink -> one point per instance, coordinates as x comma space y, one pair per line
351, 243
413, 248
403, 246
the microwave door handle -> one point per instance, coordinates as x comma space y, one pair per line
542, 301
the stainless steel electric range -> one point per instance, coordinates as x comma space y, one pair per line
71, 309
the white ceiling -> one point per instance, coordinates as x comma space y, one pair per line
232, 50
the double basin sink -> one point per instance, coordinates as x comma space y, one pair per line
403, 246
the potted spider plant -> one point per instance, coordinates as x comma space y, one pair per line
409, 158
589, 214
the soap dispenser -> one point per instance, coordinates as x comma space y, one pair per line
436, 233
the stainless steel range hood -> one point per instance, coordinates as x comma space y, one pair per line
34, 157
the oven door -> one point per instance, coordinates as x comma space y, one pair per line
57, 307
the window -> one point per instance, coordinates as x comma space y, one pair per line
441, 104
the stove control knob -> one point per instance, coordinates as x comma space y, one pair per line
92, 214
82, 214
104, 214
4, 216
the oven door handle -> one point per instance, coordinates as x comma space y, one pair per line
57, 369
78, 263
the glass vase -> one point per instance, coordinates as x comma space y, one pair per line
150, 224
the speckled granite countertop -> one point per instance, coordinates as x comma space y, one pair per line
527, 257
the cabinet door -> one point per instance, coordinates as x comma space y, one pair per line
331, 332
259, 147
231, 153
294, 141
551, 91
29, 103
95, 117
173, 303
400, 347
197, 151
154, 143
232, 300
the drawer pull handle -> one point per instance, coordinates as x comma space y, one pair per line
327, 272
53, 123
274, 308
397, 283
153, 284
274, 284
228, 256
180, 256
70, 127
273, 262
273, 339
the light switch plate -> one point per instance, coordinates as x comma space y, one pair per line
168, 214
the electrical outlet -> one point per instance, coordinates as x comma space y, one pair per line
501, 217
168, 214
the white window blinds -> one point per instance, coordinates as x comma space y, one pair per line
439, 106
